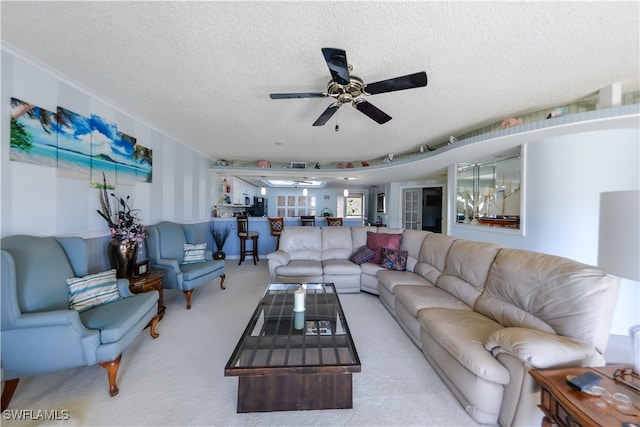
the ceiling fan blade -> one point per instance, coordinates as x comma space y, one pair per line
326, 115
370, 110
409, 81
337, 63
298, 95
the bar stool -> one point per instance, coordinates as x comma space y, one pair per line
276, 225
309, 220
244, 234
334, 222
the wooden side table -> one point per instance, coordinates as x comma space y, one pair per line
564, 406
149, 282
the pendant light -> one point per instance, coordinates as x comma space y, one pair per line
263, 191
305, 191
345, 193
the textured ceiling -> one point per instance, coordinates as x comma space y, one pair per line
202, 71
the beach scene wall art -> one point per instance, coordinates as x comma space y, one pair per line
78, 146
33, 134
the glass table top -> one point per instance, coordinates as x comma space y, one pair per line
315, 335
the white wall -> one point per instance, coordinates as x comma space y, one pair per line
563, 179
35, 200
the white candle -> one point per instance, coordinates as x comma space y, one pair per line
298, 299
298, 320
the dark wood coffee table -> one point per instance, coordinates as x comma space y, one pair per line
288, 360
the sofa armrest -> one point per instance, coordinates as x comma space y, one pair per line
276, 259
279, 257
123, 288
540, 349
47, 319
167, 264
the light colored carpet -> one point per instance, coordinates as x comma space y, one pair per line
178, 379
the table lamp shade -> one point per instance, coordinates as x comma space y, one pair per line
619, 244
619, 236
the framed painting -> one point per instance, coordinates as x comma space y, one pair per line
381, 203
33, 134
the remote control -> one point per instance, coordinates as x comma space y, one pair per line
585, 381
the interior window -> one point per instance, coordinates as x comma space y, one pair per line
295, 205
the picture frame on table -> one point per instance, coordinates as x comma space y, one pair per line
141, 269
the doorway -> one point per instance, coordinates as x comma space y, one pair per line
432, 209
422, 209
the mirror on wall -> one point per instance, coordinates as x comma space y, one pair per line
489, 193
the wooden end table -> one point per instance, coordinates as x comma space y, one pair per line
149, 282
564, 406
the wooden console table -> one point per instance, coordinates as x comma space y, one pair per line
564, 406
149, 282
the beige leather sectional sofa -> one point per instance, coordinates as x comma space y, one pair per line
483, 315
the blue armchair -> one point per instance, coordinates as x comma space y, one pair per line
41, 334
165, 242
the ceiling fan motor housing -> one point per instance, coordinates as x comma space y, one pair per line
346, 93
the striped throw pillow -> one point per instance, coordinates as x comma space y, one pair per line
194, 252
92, 290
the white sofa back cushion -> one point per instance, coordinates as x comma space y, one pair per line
359, 235
433, 254
336, 243
302, 243
539, 291
466, 269
412, 242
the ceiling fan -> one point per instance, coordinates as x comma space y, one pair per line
346, 88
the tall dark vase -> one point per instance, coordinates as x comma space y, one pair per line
122, 257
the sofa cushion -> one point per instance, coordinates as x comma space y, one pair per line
362, 255
371, 269
415, 298
194, 270
93, 290
412, 242
193, 252
117, 318
300, 268
433, 254
394, 259
550, 293
359, 235
171, 240
302, 243
377, 241
389, 279
463, 335
336, 243
466, 269
340, 267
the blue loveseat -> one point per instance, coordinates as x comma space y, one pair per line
41, 333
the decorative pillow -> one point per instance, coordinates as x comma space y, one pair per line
194, 252
377, 241
362, 255
394, 259
92, 290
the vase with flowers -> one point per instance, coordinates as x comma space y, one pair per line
126, 230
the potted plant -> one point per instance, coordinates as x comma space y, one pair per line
220, 235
